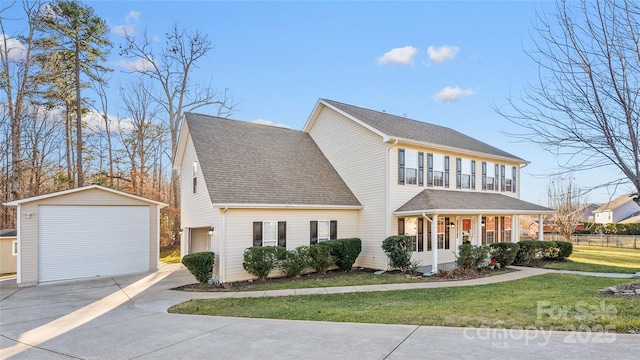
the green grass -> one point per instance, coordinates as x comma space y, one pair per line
171, 256
597, 259
509, 304
352, 278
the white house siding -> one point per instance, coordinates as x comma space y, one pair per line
625, 210
29, 226
358, 155
196, 210
239, 231
603, 217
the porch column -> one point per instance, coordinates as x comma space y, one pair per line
515, 226
184, 241
479, 226
434, 243
540, 228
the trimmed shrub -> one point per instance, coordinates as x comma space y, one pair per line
200, 264
260, 260
294, 261
526, 252
398, 251
547, 250
320, 258
471, 256
566, 249
344, 251
504, 252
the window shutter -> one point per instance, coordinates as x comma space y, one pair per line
400, 226
314, 232
496, 184
429, 237
473, 174
333, 229
447, 231
458, 173
195, 184
446, 171
257, 233
429, 169
513, 177
282, 233
401, 166
484, 175
420, 169
503, 178
420, 235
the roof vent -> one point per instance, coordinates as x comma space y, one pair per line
384, 111
404, 115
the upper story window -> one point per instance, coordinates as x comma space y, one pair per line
195, 176
489, 178
437, 170
14, 248
465, 173
510, 182
410, 167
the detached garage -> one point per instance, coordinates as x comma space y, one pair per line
86, 232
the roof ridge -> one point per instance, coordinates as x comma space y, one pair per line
241, 121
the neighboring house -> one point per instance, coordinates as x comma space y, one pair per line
8, 251
351, 172
85, 232
619, 210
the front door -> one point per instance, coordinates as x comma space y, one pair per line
467, 230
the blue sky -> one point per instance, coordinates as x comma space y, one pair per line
278, 58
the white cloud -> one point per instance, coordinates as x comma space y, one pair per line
450, 94
129, 26
95, 123
139, 64
271, 123
403, 55
443, 53
16, 50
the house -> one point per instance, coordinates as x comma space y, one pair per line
350, 172
85, 232
619, 210
8, 251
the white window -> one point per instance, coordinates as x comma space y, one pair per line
270, 233
195, 176
491, 176
411, 167
411, 230
438, 170
14, 248
466, 174
324, 230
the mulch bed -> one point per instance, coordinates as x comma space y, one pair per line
249, 285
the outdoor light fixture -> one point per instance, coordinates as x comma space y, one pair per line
181, 231
211, 230
482, 223
452, 224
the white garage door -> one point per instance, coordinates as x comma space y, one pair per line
88, 241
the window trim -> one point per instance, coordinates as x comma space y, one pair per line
275, 240
328, 237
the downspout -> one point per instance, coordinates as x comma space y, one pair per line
388, 191
223, 246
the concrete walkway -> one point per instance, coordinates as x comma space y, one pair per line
125, 318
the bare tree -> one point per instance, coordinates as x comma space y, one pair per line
16, 59
585, 106
171, 69
566, 199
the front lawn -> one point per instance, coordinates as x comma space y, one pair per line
598, 259
171, 256
530, 302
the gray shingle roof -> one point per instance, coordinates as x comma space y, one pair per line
615, 202
8, 232
400, 127
436, 200
248, 163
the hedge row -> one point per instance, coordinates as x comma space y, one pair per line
532, 250
261, 260
610, 229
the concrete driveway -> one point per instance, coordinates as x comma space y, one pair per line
126, 318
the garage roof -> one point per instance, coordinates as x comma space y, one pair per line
84, 188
